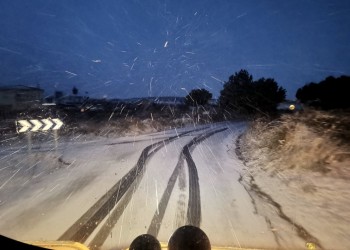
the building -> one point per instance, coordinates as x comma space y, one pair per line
20, 97
71, 100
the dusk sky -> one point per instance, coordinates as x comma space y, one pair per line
134, 48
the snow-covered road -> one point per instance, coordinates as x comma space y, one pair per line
106, 192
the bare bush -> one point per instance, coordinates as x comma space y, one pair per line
311, 140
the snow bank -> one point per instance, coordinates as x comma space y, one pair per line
305, 170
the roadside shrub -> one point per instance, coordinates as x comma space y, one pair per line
311, 140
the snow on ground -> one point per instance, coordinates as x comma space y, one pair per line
43, 192
146, 198
319, 203
57, 186
229, 217
50, 188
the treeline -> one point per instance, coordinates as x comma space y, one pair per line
244, 95
331, 93
241, 94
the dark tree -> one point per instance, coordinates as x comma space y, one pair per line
331, 93
198, 97
243, 95
75, 91
268, 94
236, 91
308, 92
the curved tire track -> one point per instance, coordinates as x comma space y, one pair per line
194, 215
114, 216
194, 206
88, 222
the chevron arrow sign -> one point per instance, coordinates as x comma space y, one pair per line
37, 125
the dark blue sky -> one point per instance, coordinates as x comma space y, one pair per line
125, 48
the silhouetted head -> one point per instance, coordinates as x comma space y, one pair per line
145, 242
189, 238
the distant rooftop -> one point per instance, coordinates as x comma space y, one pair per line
19, 87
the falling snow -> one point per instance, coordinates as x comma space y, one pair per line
140, 173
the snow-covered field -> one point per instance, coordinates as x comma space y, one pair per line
104, 192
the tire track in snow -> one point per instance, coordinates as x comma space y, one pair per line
194, 206
180, 214
194, 216
300, 230
117, 212
87, 223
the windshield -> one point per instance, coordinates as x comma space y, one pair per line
122, 118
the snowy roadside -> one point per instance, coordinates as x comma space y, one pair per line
302, 179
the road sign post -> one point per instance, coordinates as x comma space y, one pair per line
55, 134
39, 125
29, 138
36, 125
